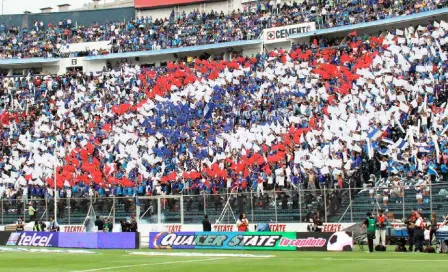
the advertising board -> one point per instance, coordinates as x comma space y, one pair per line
142, 4
34, 239
290, 241
281, 34
92, 240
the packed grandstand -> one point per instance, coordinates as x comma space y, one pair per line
325, 125
183, 29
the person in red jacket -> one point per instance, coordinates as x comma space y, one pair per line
242, 223
381, 223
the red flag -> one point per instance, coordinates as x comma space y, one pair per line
267, 170
107, 127
90, 148
121, 109
353, 34
169, 177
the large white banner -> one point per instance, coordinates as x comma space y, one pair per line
281, 34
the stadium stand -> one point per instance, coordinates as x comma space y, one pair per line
289, 132
273, 119
181, 30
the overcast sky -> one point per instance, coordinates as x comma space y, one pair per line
19, 6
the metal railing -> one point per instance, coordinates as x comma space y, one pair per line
295, 205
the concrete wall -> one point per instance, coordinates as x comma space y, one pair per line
252, 50
87, 66
284, 45
14, 20
156, 13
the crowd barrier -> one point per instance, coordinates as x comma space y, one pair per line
284, 241
90, 240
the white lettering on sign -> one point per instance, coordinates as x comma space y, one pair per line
35, 240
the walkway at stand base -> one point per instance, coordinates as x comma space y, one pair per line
262, 208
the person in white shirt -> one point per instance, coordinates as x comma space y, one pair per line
280, 176
50, 192
419, 232
427, 234
324, 13
383, 167
53, 226
91, 194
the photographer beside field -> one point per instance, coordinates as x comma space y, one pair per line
419, 229
129, 226
108, 226
20, 225
54, 226
410, 223
317, 222
370, 224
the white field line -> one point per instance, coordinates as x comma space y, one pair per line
139, 265
45, 250
363, 259
186, 254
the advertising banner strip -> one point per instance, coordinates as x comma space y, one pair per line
141, 4
35, 239
292, 241
91, 240
281, 34
220, 240
118, 240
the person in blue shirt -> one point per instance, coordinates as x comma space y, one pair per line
119, 191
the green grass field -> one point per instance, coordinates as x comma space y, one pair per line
120, 260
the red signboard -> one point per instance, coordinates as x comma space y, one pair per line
140, 4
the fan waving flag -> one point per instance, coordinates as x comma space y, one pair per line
208, 110
401, 144
353, 33
374, 134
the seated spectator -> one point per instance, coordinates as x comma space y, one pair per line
195, 28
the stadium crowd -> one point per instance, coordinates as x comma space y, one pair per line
304, 118
196, 28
